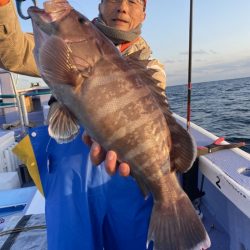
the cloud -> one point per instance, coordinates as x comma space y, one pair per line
212, 52
234, 65
200, 52
169, 61
172, 61
200, 60
211, 69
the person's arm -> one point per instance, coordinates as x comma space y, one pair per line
16, 47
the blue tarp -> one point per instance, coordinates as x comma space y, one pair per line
85, 207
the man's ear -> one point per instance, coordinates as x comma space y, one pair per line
143, 17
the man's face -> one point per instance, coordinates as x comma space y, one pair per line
122, 15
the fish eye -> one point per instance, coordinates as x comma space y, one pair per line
81, 20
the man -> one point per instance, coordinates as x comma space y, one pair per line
85, 207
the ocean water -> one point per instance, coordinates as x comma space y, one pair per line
221, 107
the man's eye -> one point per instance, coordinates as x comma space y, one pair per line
132, 2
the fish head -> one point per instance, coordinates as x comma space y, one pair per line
58, 18
63, 35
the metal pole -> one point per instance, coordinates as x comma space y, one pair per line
24, 110
190, 65
18, 101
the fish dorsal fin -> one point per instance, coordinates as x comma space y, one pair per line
183, 151
63, 125
146, 73
57, 64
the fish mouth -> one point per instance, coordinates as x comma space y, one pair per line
53, 11
38, 15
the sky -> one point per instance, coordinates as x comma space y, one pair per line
221, 36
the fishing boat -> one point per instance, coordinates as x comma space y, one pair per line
23, 104
221, 181
223, 176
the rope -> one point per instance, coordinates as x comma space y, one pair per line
22, 229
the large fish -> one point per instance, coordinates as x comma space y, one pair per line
119, 104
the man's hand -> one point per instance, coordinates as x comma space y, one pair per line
98, 155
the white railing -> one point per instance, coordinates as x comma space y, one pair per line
8, 161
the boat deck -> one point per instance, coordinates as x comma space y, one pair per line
226, 203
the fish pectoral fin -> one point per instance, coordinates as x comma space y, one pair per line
63, 126
83, 66
57, 65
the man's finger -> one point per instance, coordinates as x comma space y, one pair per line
97, 154
124, 169
87, 139
110, 162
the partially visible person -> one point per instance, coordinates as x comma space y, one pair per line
85, 207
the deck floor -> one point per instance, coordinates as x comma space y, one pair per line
219, 238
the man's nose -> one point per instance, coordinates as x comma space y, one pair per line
123, 6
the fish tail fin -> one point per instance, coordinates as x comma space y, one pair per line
175, 225
63, 126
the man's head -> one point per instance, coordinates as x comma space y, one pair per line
123, 14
